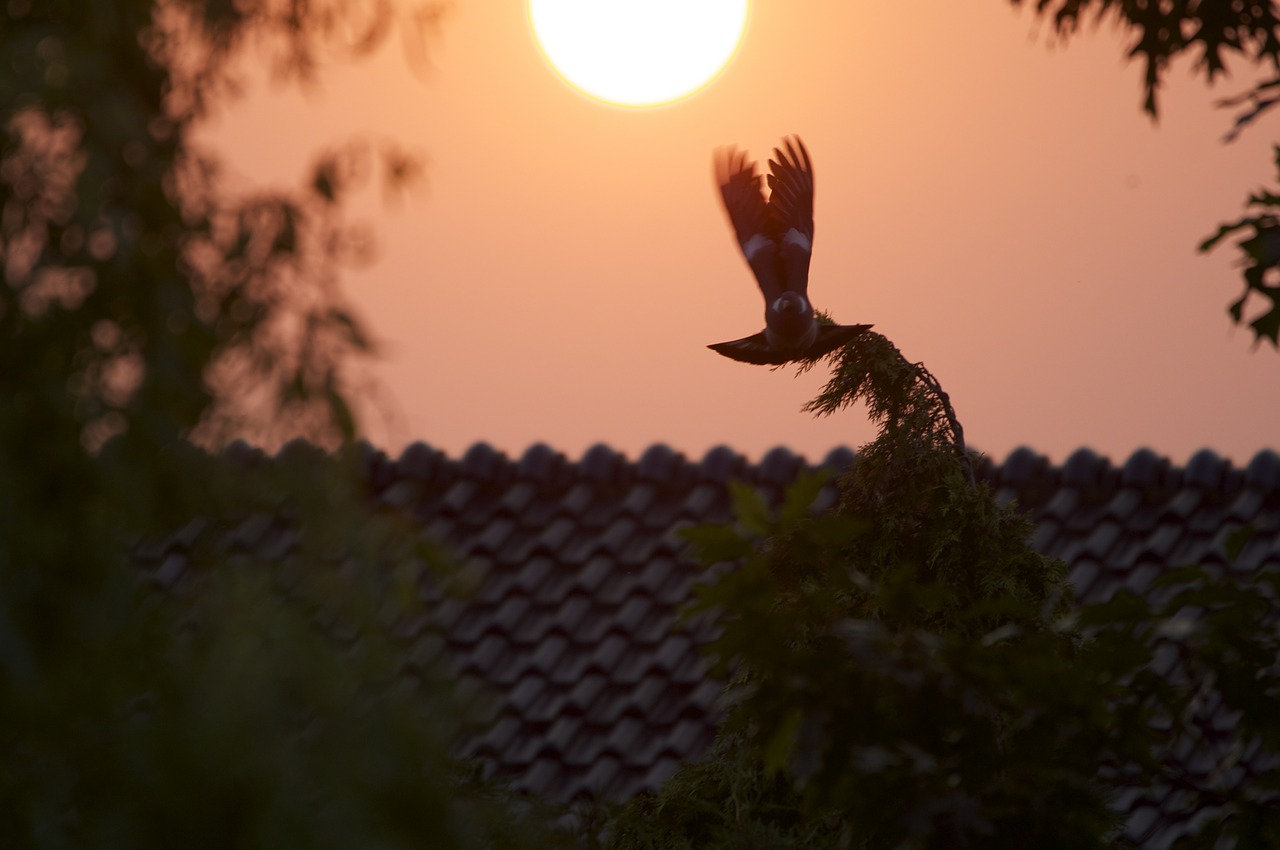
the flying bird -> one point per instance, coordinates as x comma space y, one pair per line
776, 237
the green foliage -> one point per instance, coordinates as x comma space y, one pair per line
1212, 32
245, 684
1164, 31
260, 697
902, 398
725, 801
1222, 629
905, 671
165, 307
1261, 258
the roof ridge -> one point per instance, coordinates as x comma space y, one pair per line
1024, 469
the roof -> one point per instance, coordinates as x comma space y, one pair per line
581, 572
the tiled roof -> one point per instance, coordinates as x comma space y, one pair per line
580, 574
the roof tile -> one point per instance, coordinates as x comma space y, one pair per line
583, 749
1100, 541
1026, 470
418, 462
1263, 471
779, 467
1123, 503
626, 735
588, 690
603, 777
1145, 470
659, 464
549, 654
1084, 470
1140, 578
1082, 574
721, 464
580, 573
632, 614
540, 463
485, 463
639, 500
459, 497
1206, 470
609, 653
602, 464
839, 459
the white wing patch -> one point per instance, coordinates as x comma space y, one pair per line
755, 245
798, 239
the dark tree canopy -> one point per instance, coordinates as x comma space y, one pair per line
1212, 31
178, 309
212, 696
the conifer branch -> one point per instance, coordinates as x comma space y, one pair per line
904, 399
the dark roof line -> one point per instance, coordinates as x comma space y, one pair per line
1024, 470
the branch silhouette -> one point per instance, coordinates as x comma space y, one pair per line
904, 399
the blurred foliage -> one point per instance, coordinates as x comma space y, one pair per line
1163, 31
265, 687
1261, 258
1212, 33
906, 671
174, 308
196, 652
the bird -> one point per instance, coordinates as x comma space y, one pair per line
776, 238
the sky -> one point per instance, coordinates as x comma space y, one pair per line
994, 203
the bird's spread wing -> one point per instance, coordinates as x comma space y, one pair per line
749, 214
751, 349
791, 212
831, 337
756, 349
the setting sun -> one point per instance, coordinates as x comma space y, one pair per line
638, 52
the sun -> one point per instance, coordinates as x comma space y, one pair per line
638, 52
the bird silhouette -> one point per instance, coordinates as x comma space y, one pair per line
776, 237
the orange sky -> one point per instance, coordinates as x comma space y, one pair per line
999, 208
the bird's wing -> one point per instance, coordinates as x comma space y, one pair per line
752, 349
791, 212
831, 337
755, 348
749, 214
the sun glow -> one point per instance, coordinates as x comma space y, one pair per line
638, 52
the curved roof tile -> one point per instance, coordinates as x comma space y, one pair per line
574, 624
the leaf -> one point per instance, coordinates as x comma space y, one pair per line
835, 529
717, 543
777, 750
1179, 576
323, 183
749, 507
343, 418
1242, 120
349, 327
1236, 310
1124, 606
1268, 325
801, 495
1234, 541
1224, 231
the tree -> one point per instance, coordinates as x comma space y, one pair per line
906, 671
196, 650
1212, 32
